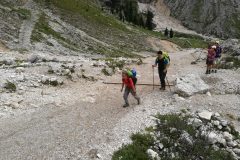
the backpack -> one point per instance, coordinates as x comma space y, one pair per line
166, 56
133, 75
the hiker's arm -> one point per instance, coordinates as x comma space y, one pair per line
155, 65
122, 86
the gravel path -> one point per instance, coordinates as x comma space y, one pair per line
89, 120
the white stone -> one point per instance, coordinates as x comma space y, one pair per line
196, 122
209, 94
214, 138
160, 146
216, 123
205, 115
232, 144
45, 80
227, 136
190, 84
237, 151
19, 70
224, 123
66, 72
153, 154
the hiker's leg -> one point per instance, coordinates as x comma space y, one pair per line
125, 95
135, 96
162, 79
164, 82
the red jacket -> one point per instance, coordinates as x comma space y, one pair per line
211, 55
128, 82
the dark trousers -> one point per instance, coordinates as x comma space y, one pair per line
162, 76
126, 93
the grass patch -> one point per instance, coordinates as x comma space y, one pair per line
229, 62
42, 26
181, 39
137, 150
10, 86
22, 12
89, 10
189, 42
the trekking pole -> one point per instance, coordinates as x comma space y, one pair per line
168, 84
153, 77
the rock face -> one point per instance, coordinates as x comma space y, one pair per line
232, 46
190, 84
208, 16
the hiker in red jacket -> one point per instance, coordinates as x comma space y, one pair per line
210, 58
129, 88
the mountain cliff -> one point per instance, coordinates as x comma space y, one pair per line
211, 17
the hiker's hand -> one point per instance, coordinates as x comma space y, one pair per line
164, 70
121, 90
154, 66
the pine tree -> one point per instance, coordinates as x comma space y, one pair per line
171, 33
149, 22
166, 32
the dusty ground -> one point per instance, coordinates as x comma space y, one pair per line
87, 118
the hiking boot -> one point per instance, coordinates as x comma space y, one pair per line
138, 101
215, 71
212, 71
208, 72
162, 88
125, 105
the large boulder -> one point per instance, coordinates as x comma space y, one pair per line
190, 84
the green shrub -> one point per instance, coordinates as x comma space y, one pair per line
10, 86
137, 150
171, 127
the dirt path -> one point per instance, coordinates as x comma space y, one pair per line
98, 123
28, 25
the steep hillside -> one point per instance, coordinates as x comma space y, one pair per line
220, 18
67, 26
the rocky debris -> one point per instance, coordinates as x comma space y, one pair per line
190, 84
186, 138
218, 138
51, 81
33, 58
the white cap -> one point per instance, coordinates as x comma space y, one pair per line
214, 47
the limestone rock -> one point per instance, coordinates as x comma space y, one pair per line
190, 84
205, 115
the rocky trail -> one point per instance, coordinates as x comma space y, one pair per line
28, 25
85, 120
